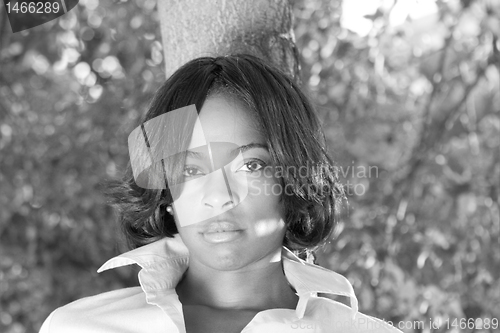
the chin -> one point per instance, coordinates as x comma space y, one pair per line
227, 261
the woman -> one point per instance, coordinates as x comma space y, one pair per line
215, 204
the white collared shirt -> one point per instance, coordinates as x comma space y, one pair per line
154, 307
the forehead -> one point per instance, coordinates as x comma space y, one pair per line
223, 119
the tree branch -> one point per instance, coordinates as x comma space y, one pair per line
433, 138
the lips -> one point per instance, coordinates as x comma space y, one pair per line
221, 232
220, 226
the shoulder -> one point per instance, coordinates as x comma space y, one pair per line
107, 312
331, 314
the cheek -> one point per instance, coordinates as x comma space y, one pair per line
265, 207
265, 185
266, 192
269, 227
191, 238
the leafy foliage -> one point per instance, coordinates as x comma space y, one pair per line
416, 104
411, 113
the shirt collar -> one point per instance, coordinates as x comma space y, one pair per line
164, 262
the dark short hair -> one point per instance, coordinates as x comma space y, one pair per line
294, 139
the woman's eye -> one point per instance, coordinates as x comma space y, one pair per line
191, 172
252, 166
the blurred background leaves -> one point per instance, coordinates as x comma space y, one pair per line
409, 98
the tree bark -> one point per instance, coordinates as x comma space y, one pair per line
195, 28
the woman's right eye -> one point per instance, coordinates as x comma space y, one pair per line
192, 171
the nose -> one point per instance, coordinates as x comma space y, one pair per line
217, 192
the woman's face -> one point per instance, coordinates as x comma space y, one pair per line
228, 210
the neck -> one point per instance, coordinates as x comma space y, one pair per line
259, 286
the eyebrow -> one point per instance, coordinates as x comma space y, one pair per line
249, 146
194, 154
234, 152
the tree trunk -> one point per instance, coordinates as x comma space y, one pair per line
195, 28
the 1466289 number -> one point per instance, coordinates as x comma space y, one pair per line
471, 323
33, 7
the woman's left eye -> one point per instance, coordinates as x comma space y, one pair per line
191, 171
252, 166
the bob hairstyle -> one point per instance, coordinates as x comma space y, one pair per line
293, 135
